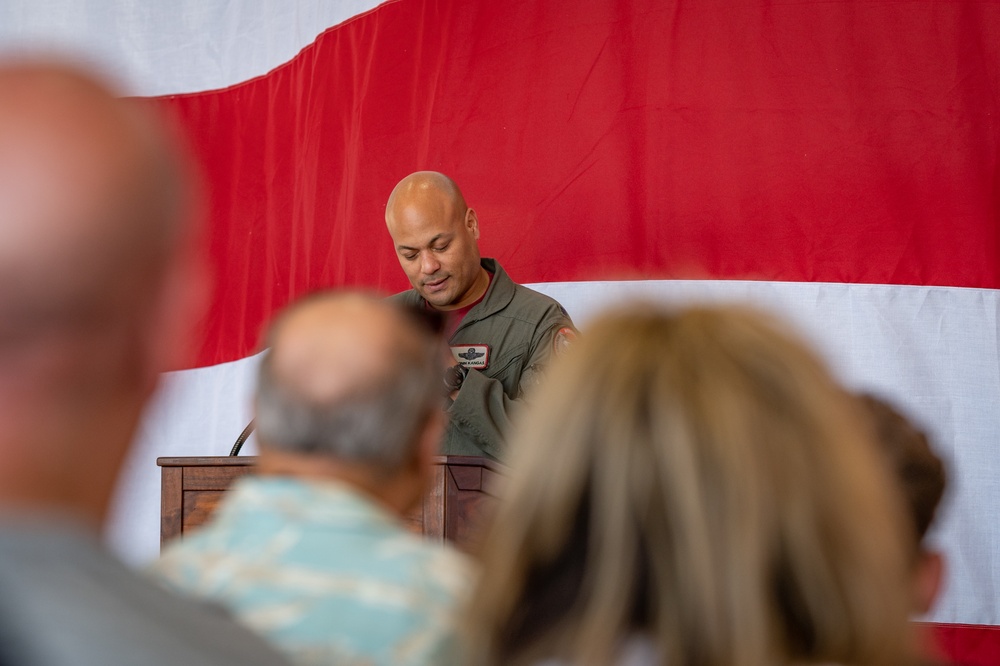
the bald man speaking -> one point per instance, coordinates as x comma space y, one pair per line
501, 334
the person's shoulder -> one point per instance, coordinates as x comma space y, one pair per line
527, 299
207, 632
252, 512
525, 292
438, 565
635, 651
526, 296
408, 297
182, 562
108, 614
434, 553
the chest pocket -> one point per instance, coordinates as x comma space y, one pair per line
504, 364
509, 341
507, 370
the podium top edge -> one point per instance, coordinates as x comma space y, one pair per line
242, 461
196, 461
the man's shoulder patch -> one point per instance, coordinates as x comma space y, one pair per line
562, 340
476, 357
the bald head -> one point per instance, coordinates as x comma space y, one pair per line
91, 284
89, 193
347, 376
329, 348
426, 188
436, 240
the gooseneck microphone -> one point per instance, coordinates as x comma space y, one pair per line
242, 438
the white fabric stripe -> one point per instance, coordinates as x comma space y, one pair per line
175, 46
197, 412
933, 350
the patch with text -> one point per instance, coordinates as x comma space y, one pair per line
476, 357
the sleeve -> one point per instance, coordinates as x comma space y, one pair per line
484, 412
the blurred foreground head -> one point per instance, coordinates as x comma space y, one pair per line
693, 485
95, 290
350, 388
921, 476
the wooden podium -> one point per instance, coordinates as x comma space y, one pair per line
463, 493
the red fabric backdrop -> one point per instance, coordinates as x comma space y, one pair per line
802, 141
797, 141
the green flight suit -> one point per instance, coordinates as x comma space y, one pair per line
519, 325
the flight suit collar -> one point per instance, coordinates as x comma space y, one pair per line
498, 295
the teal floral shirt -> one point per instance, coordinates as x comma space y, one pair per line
325, 574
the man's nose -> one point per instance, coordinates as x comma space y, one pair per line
429, 264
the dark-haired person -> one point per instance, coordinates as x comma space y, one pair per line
921, 476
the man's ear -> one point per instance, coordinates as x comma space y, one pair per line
927, 577
472, 222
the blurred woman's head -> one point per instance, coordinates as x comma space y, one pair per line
696, 478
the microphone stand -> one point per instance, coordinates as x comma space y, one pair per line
242, 438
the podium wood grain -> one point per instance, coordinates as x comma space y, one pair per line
463, 493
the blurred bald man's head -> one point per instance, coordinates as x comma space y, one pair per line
94, 286
351, 388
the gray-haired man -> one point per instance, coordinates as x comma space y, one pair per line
311, 552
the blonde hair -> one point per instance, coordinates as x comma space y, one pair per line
697, 478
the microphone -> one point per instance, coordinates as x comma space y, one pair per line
242, 438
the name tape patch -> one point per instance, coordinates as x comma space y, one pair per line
476, 357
